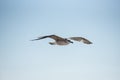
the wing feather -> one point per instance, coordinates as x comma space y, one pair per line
84, 40
49, 36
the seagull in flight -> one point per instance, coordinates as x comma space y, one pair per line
63, 41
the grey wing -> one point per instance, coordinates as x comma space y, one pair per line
55, 37
39, 38
81, 39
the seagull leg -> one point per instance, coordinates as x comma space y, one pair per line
52, 43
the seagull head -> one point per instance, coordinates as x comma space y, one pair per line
68, 40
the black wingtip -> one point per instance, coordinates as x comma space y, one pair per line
34, 39
89, 43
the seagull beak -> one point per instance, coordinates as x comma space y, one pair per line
70, 41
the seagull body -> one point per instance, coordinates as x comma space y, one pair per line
63, 41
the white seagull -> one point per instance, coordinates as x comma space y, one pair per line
63, 41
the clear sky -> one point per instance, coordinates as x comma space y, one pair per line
23, 20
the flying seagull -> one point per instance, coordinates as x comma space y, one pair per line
63, 41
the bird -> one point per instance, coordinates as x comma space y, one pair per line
63, 41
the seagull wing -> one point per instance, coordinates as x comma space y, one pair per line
55, 37
39, 38
81, 39
49, 36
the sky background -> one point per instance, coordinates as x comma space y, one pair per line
23, 20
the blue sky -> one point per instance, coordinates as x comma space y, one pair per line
23, 20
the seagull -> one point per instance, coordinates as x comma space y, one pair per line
63, 41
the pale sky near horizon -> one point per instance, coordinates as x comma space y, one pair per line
23, 20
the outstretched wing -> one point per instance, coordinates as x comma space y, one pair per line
49, 36
39, 38
81, 39
55, 37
